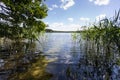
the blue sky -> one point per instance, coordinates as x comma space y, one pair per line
70, 15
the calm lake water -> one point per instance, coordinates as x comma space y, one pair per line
65, 52
62, 58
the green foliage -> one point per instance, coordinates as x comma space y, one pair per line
105, 35
22, 18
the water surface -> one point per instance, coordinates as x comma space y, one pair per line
62, 58
72, 62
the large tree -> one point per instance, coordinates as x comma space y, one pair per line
22, 18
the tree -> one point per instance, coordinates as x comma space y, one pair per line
22, 18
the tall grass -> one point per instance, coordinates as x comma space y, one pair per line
104, 37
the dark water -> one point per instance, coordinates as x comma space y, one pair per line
62, 58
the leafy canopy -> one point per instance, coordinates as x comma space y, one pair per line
22, 18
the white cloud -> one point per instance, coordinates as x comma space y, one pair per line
70, 19
46, 22
62, 0
54, 6
90, 0
50, 9
66, 4
64, 27
84, 19
56, 24
100, 17
100, 2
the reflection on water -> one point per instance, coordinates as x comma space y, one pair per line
62, 58
21, 61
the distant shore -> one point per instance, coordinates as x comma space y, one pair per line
53, 31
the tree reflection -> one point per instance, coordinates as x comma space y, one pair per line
20, 60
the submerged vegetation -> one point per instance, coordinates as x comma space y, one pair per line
22, 61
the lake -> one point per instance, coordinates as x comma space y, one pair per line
62, 58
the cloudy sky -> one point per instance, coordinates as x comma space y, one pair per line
69, 15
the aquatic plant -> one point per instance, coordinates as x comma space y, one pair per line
104, 37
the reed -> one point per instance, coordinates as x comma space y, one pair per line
103, 37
